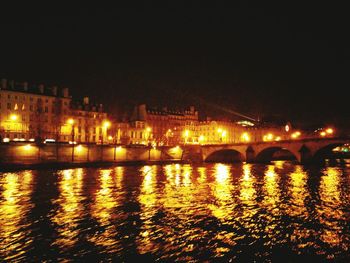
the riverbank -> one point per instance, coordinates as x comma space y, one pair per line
67, 165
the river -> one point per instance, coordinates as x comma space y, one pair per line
177, 212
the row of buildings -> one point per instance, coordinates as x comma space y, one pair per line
39, 113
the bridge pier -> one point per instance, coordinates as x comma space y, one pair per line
305, 155
250, 155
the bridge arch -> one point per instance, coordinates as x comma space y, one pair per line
276, 153
325, 151
225, 156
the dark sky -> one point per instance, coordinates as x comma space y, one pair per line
290, 60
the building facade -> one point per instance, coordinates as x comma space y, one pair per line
32, 112
89, 123
166, 125
40, 113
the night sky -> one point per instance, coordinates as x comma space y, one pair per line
289, 62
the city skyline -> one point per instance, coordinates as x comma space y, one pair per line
256, 61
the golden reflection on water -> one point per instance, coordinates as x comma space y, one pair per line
329, 212
202, 171
298, 192
102, 210
222, 208
247, 197
14, 205
182, 201
148, 200
70, 209
272, 190
247, 190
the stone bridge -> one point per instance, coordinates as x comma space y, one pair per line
304, 151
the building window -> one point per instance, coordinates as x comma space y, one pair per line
9, 106
9, 96
31, 107
46, 109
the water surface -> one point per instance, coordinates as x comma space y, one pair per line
186, 213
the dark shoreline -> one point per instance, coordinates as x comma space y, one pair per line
66, 165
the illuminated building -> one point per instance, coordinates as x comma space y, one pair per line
91, 124
167, 125
216, 132
29, 112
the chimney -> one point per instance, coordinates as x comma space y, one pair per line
65, 92
86, 100
41, 88
25, 86
54, 90
3, 83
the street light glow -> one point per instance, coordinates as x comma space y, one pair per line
13, 117
329, 131
70, 121
106, 124
245, 137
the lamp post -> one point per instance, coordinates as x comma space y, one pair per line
71, 122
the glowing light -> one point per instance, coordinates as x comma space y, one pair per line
278, 138
118, 149
71, 142
245, 137
224, 133
13, 117
323, 134
79, 148
245, 123
329, 131
186, 133
110, 138
31, 139
219, 130
70, 121
287, 128
201, 138
268, 137
106, 124
296, 134
27, 147
48, 140
148, 129
6, 140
